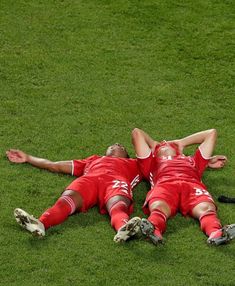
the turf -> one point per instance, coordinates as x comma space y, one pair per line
77, 76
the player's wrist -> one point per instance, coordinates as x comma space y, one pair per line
27, 158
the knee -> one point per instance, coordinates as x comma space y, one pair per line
76, 197
117, 202
202, 209
160, 205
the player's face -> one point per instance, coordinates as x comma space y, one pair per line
117, 150
166, 151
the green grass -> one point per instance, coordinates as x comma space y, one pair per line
77, 76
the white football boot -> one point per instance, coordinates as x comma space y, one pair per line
29, 222
131, 228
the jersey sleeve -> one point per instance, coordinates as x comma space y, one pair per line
80, 165
145, 164
200, 161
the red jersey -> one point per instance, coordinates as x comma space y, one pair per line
125, 169
171, 168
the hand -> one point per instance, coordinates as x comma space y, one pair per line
217, 162
178, 144
16, 156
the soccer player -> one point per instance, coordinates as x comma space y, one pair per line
176, 184
106, 181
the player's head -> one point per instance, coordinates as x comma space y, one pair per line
117, 150
166, 149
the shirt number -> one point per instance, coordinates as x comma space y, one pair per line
122, 185
199, 192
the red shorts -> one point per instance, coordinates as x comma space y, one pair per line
98, 190
180, 196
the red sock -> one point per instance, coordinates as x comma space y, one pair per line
210, 223
119, 213
158, 219
59, 212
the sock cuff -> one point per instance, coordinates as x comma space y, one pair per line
160, 213
70, 202
117, 204
207, 213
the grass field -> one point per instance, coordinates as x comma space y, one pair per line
77, 76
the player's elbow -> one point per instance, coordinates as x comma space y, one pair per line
135, 134
211, 136
213, 133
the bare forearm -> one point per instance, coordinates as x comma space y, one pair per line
138, 133
64, 167
40, 163
19, 157
152, 143
197, 138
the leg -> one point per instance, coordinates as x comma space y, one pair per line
118, 208
161, 202
66, 205
155, 225
205, 212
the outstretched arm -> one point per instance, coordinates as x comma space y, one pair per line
18, 156
142, 142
